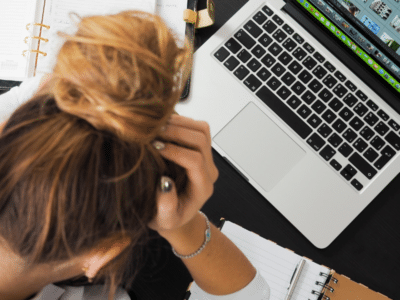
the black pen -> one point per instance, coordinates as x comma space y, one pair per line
295, 278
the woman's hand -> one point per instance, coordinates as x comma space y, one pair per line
192, 151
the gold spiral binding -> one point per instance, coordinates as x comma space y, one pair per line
37, 24
35, 51
35, 37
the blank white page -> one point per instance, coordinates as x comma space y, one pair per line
276, 264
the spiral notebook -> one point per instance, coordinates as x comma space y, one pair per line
277, 264
28, 29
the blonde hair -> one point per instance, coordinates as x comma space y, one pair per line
76, 161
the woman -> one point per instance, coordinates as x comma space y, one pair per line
96, 159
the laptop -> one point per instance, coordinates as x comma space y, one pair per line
302, 99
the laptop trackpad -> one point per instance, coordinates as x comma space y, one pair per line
255, 143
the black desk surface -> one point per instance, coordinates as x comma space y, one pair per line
367, 251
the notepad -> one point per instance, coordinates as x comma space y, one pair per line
277, 264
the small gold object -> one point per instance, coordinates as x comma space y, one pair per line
35, 37
35, 51
37, 24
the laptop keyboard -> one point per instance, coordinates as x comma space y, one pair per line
311, 96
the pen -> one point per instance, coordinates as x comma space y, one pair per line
295, 278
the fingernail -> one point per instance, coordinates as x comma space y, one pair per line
158, 145
166, 184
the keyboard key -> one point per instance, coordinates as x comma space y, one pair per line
274, 83
329, 81
360, 109
383, 115
328, 116
315, 86
279, 35
335, 140
340, 90
381, 128
386, 155
221, 54
371, 154
265, 40
340, 76
305, 76
263, 74
346, 175
308, 97
285, 58
253, 29
269, 26
304, 111
241, 72
258, 51
350, 100
371, 119
393, 139
315, 141
275, 49
284, 112
244, 56
362, 165
327, 153
244, 39
231, 63
298, 38
232, 45
278, 20
346, 114
259, 18
298, 88
268, 60
377, 143
314, 121
299, 53
349, 135
288, 79
350, 85
350, 169
318, 107
267, 10
310, 63
367, 133
295, 67
335, 165
360, 145
294, 102
335, 104
339, 125
372, 105
345, 149
329, 66
356, 184
288, 29
252, 82
254, 65
356, 123
278, 69
309, 48
283, 92
361, 95
324, 130
394, 125
289, 45
325, 95
320, 72
319, 57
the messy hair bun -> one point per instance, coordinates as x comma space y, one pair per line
124, 76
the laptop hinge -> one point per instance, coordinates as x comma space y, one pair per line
340, 51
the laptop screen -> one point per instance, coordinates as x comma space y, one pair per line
373, 33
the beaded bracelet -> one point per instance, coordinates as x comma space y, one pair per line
207, 239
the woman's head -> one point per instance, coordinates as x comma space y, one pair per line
76, 162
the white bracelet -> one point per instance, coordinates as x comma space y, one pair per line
207, 234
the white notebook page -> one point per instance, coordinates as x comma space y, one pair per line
276, 264
14, 16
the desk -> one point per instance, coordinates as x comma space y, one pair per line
368, 251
